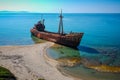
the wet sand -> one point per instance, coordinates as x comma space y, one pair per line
30, 62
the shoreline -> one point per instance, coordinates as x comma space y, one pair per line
55, 63
29, 63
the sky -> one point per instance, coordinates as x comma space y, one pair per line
68, 6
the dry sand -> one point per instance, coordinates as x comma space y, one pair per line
30, 62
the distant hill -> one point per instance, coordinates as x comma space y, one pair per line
5, 11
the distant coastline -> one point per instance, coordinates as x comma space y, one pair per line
5, 11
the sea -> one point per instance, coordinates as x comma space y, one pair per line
101, 39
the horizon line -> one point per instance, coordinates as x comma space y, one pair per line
12, 11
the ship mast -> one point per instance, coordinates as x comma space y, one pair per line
60, 30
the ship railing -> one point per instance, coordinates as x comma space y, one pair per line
75, 33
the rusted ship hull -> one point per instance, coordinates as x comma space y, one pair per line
70, 40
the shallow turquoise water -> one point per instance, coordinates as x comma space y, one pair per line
89, 74
88, 57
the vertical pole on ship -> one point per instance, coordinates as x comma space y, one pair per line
60, 30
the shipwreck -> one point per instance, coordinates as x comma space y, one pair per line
71, 39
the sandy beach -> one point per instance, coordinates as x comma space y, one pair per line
30, 62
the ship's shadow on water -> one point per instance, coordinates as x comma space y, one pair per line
88, 49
